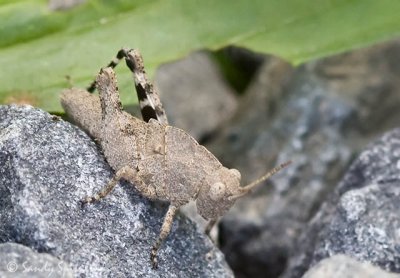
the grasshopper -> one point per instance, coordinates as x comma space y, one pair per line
161, 161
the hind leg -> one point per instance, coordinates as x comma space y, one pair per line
149, 99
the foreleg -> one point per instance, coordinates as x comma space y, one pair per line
209, 226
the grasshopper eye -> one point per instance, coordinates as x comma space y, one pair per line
236, 173
217, 191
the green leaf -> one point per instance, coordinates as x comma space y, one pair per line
39, 48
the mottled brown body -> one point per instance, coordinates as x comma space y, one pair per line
161, 161
166, 159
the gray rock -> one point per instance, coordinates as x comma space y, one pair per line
300, 121
362, 218
18, 261
195, 95
342, 266
46, 167
319, 115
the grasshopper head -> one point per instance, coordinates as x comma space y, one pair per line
223, 188
214, 198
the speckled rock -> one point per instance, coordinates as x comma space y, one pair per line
346, 267
47, 166
362, 218
300, 121
319, 115
18, 261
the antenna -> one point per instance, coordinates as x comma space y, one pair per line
244, 190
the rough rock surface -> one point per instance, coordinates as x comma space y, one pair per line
18, 261
301, 122
46, 167
195, 95
362, 218
346, 267
320, 116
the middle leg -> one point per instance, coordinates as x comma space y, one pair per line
128, 174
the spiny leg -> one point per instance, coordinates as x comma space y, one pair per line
149, 100
106, 84
165, 229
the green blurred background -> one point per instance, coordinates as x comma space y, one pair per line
43, 49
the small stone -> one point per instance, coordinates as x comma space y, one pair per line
18, 261
346, 267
